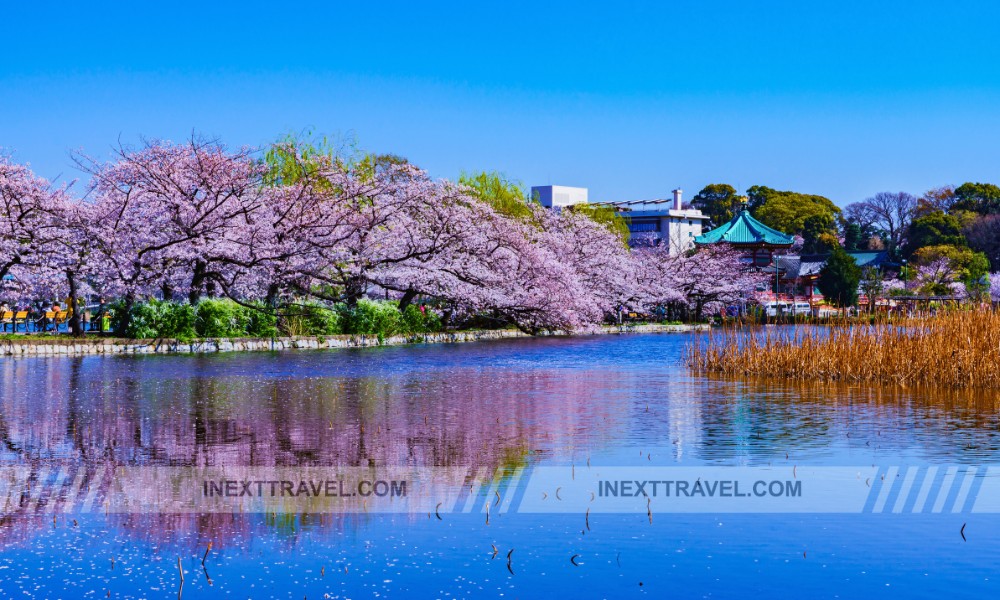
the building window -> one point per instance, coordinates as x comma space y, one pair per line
643, 227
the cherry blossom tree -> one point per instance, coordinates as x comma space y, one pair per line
74, 261
174, 220
496, 265
171, 218
597, 257
710, 278
655, 282
936, 277
895, 286
385, 225
716, 277
333, 229
29, 227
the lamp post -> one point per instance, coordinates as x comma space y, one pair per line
904, 276
775, 261
777, 288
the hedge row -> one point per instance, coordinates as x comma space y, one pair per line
221, 318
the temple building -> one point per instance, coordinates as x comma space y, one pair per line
798, 274
746, 233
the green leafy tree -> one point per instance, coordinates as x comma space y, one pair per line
860, 237
789, 212
505, 195
839, 278
818, 235
970, 267
295, 157
757, 195
854, 239
717, 201
606, 216
370, 164
934, 229
982, 198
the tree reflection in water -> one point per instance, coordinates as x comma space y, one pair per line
503, 405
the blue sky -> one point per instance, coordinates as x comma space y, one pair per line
629, 99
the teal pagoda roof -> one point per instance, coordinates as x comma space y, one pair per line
745, 230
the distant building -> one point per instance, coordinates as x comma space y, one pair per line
558, 196
798, 274
661, 222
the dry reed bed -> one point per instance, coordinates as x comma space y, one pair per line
958, 348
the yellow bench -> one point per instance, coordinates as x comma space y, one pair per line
55, 318
14, 319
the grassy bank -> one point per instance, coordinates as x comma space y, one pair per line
959, 348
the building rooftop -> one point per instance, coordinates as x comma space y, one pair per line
875, 258
793, 266
657, 205
744, 229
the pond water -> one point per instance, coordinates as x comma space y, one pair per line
582, 403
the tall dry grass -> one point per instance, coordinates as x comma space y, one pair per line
955, 348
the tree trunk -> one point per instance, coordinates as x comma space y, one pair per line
407, 298
197, 281
128, 303
355, 289
74, 306
272, 296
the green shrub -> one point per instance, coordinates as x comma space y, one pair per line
262, 320
155, 319
222, 318
416, 321
310, 318
369, 317
177, 320
216, 318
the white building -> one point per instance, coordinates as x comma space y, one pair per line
558, 196
662, 221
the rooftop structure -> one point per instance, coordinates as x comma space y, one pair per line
661, 221
744, 230
798, 273
558, 196
747, 233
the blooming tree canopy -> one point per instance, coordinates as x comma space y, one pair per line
171, 218
197, 219
31, 213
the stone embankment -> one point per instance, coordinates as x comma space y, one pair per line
65, 346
